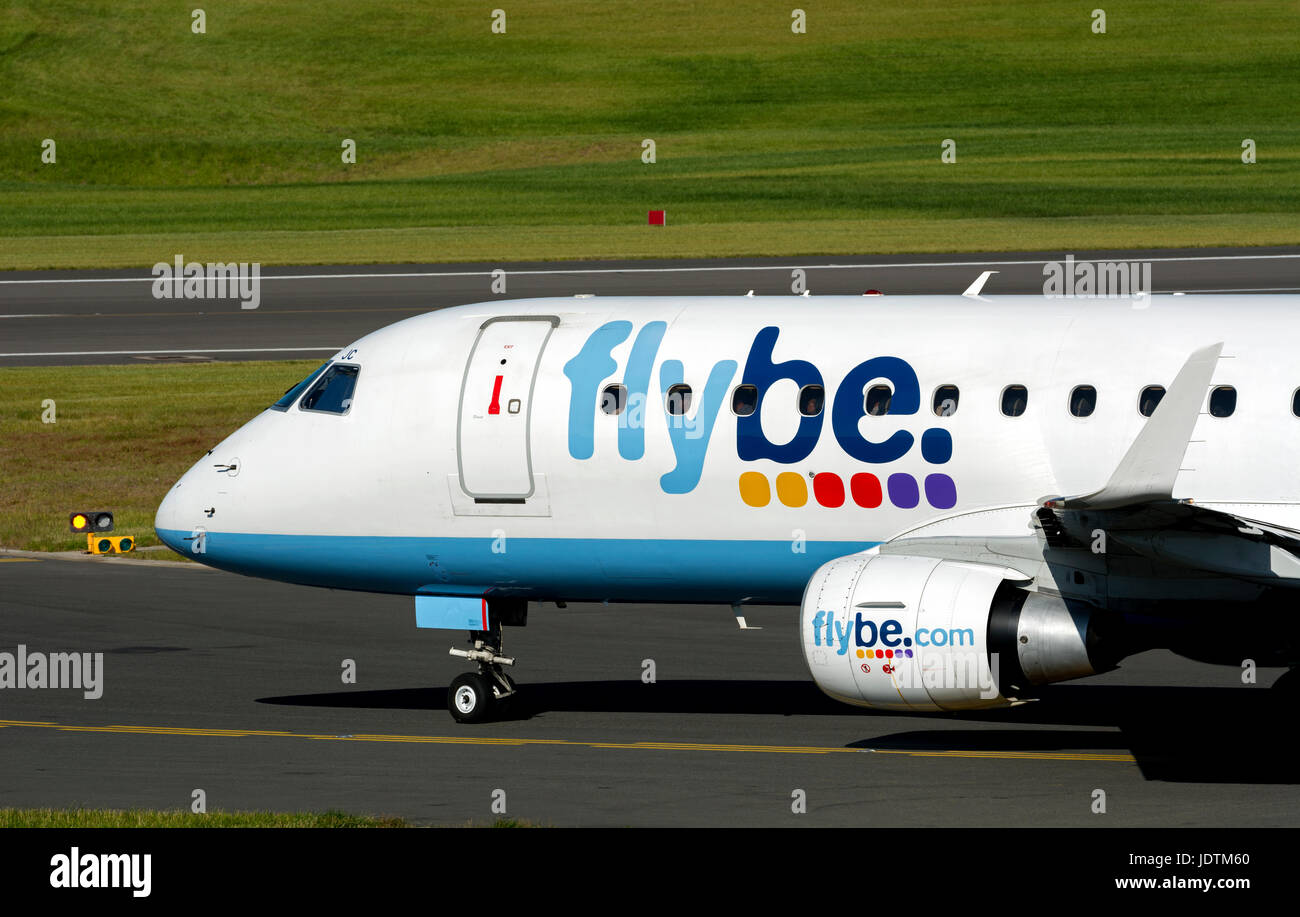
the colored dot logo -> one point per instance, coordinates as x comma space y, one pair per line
884, 654
754, 489
865, 490
791, 489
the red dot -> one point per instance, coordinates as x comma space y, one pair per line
889, 653
829, 489
866, 490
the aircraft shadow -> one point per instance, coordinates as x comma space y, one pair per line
788, 698
1183, 735
1198, 735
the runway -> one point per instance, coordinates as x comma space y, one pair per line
71, 318
233, 686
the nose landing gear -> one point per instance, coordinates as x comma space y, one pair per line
477, 696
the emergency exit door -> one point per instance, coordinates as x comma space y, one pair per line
496, 407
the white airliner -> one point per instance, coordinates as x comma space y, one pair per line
970, 499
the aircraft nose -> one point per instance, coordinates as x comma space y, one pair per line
206, 500
167, 521
180, 514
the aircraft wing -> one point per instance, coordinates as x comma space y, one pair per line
1150, 467
1136, 506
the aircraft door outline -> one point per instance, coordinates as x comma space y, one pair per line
499, 449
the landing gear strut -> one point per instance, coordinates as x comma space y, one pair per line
477, 696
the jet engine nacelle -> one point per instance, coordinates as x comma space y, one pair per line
904, 632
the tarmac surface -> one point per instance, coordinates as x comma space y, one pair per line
234, 686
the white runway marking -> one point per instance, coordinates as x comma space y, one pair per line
662, 270
1245, 290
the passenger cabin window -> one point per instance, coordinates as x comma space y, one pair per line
1083, 400
1295, 402
1150, 399
290, 396
1223, 401
1015, 398
613, 399
679, 399
332, 393
812, 398
945, 400
877, 401
744, 400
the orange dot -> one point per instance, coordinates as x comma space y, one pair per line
861, 654
754, 489
791, 488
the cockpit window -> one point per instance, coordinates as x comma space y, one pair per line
332, 393
292, 394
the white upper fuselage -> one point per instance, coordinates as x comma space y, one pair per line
573, 502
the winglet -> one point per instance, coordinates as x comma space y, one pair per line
973, 291
1148, 470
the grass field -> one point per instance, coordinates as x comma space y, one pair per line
154, 818
527, 144
145, 818
122, 436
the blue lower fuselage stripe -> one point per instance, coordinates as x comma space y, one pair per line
581, 569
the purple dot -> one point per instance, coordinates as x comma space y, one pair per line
903, 491
909, 654
940, 491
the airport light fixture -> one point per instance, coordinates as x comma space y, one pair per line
96, 522
109, 544
95, 525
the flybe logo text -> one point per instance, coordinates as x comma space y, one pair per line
594, 364
867, 634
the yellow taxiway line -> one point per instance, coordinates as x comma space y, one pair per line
634, 746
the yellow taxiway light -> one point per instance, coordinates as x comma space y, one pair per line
109, 544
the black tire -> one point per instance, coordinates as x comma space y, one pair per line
470, 698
